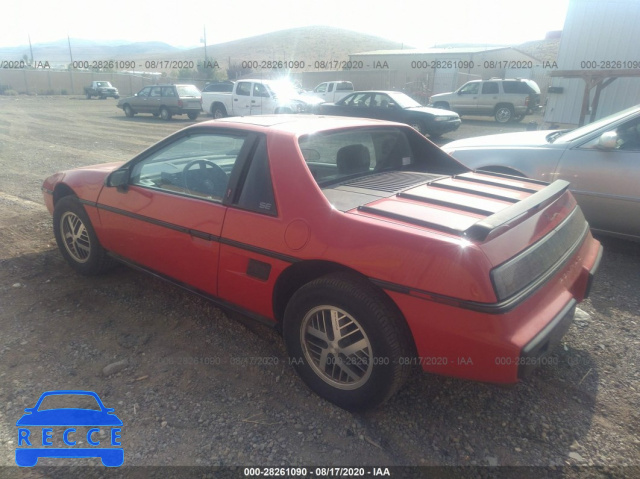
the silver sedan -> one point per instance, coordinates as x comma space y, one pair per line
600, 160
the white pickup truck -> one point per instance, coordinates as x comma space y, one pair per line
332, 91
258, 97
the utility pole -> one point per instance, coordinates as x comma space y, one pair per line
204, 40
69, 42
71, 65
31, 49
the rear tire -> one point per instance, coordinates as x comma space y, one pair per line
347, 341
88, 96
77, 239
218, 112
504, 113
165, 114
193, 115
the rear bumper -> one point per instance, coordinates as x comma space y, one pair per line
500, 346
535, 352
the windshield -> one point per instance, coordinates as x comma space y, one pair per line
591, 127
403, 100
103, 83
334, 156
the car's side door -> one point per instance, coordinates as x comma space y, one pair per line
466, 100
155, 100
168, 217
140, 102
605, 178
170, 98
242, 99
321, 92
262, 102
487, 98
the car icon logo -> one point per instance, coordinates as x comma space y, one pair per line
32, 446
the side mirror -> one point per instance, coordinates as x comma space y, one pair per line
608, 141
118, 179
459, 92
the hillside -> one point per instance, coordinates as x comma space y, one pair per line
58, 51
543, 50
306, 44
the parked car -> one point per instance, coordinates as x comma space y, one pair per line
164, 101
505, 100
601, 160
365, 244
102, 89
258, 97
394, 106
332, 91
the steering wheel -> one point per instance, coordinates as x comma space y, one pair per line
208, 179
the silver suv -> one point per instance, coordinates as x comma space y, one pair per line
505, 100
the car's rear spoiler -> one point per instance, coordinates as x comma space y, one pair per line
481, 230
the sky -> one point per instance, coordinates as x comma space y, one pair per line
419, 24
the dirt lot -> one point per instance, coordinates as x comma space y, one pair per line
192, 393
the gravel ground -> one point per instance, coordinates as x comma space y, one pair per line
196, 387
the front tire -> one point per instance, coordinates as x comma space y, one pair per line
416, 125
128, 111
347, 341
77, 239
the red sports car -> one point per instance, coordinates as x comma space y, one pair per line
369, 247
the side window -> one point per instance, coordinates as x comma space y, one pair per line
359, 100
256, 192
626, 137
144, 92
470, 88
259, 90
198, 165
490, 88
513, 87
168, 91
243, 88
156, 91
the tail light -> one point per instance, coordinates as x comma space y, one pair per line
526, 101
179, 103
